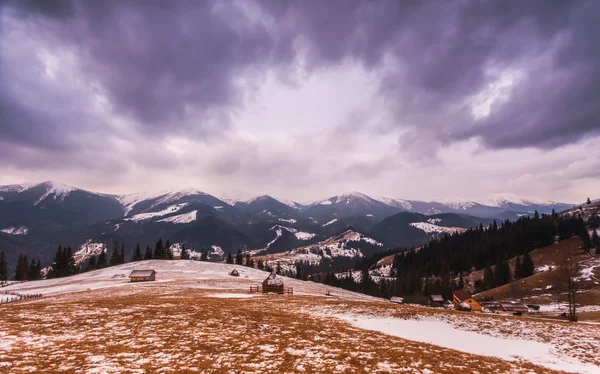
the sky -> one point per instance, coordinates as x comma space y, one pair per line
303, 100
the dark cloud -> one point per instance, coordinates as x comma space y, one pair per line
183, 67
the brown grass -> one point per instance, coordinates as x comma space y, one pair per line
176, 329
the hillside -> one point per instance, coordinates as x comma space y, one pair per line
198, 309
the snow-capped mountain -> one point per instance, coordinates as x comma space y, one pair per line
34, 218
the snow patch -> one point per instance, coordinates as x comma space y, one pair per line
181, 218
330, 222
21, 230
445, 335
149, 215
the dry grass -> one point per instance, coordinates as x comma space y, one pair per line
178, 329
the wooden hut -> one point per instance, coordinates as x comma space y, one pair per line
513, 307
234, 273
273, 283
462, 299
436, 301
142, 275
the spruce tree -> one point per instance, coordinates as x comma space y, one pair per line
159, 250
517, 273
536, 215
239, 258
488, 278
184, 253
91, 264
3, 267
461, 283
595, 239
527, 268
148, 254
168, 253
114, 256
34, 270
102, 259
137, 255
122, 254
588, 201
229, 258
22, 271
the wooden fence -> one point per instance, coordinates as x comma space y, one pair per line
19, 296
283, 290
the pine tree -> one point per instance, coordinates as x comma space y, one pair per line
168, 253
122, 254
536, 215
518, 268
204, 256
91, 264
595, 239
184, 253
239, 258
34, 270
229, 258
527, 268
588, 202
248, 259
137, 255
461, 283
148, 254
488, 278
102, 259
3, 267
22, 270
114, 257
71, 268
159, 250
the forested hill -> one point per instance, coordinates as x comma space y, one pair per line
479, 248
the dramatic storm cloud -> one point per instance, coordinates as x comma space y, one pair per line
302, 99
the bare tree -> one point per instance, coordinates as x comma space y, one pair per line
566, 278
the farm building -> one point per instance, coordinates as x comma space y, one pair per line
436, 301
273, 283
397, 299
142, 275
234, 273
513, 307
462, 298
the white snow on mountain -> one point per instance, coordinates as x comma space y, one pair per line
291, 220
290, 203
217, 251
181, 218
87, 250
503, 200
396, 203
162, 197
21, 230
301, 235
459, 204
330, 222
16, 187
55, 189
431, 228
146, 216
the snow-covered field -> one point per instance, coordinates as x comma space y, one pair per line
196, 317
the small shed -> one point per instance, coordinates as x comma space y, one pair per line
234, 273
462, 296
436, 301
273, 283
513, 307
142, 275
397, 299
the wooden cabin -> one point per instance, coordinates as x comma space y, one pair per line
436, 301
234, 273
273, 283
142, 276
513, 307
462, 296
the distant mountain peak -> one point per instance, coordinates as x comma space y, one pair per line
504, 199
